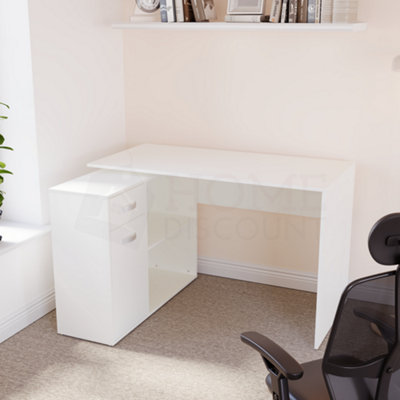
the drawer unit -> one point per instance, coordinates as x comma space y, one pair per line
99, 235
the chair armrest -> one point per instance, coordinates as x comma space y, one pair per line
273, 354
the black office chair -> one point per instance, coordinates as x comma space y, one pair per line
362, 357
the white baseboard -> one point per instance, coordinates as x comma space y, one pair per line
25, 316
259, 274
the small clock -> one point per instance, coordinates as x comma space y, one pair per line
148, 6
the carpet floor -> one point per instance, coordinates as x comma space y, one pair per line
188, 350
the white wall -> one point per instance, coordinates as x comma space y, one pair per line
322, 94
62, 73
22, 200
69, 109
78, 81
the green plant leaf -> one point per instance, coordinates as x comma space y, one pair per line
2, 165
3, 117
1, 139
5, 171
4, 104
6, 148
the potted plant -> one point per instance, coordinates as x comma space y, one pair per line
3, 169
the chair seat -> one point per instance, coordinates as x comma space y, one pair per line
312, 378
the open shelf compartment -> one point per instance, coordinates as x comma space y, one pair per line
172, 238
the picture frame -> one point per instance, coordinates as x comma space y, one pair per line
243, 7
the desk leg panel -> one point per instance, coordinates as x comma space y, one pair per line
334, 251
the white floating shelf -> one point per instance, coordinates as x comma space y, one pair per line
234, 26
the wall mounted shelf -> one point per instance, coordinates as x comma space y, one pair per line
231, 26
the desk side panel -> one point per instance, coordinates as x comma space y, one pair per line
80, 238
334, 251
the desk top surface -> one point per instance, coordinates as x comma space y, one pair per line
302, 173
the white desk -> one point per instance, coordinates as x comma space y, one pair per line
177, 178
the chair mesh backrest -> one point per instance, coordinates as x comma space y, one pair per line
363, 335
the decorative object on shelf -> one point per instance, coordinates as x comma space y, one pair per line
246, 11
148, 6
3, 169
246, 7
209, 10
146, 11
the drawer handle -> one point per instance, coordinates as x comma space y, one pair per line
129, 239
129, 207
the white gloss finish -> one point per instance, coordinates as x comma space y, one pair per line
226, 26
334, 250
122, 248
319, 187
100, 260
287, 172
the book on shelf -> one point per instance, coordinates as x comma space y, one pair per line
302, 11
326, 11
246, 18
198, 11
179, 13
188, 11
276, 8
163, 11
318, 11
284, 11
292, 11
312, 11
293, 4
171, 10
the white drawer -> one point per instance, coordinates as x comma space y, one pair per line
127, 206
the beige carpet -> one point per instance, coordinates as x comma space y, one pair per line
189, 349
